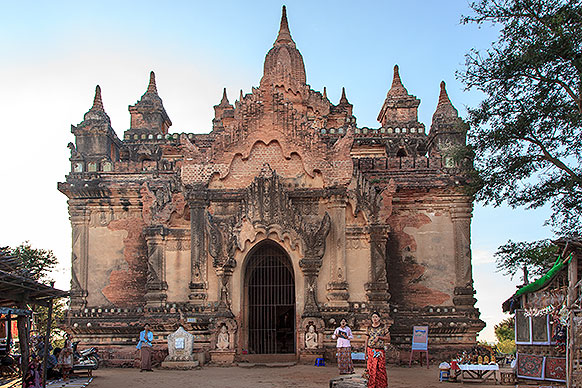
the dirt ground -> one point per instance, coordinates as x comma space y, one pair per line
298, 376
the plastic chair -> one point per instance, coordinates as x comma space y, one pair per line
444, 375
319, 362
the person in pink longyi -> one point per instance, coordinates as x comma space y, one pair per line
343, 334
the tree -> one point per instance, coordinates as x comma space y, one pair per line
534, 258
526, 133
505, 330
36, 264
505, 334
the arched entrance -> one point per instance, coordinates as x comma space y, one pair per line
270, 301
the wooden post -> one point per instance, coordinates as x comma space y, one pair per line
571, 351
23, 341
47, 338
9, 332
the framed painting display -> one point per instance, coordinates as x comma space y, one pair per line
530, 366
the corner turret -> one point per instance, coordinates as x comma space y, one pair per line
223, 113
447, 128
340, 115
96, 144
400, 109
149, 119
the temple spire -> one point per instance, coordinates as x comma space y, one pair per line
445, 108
97, 112
399, 107
343, 98
284, 36
224, 100
397, 87
324, 92
443, 97
152, 85
97, 101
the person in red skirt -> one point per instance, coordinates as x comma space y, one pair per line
378, 337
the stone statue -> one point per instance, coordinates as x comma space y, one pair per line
311, 338
223, 342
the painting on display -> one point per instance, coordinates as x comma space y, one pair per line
420, 338
555, 369
530, 366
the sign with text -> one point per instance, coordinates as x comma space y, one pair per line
420, 338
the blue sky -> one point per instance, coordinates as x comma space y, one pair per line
52, 54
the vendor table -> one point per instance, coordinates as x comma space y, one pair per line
478, 373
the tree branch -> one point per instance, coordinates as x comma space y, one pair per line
555, 161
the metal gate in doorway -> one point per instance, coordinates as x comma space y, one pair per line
270, 289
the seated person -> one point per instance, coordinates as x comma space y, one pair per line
52, 371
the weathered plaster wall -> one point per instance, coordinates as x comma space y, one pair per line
421, 258
106, 258
358, 264
436, 253
178, 275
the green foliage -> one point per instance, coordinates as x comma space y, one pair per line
526, 133
537, 257
507, 346
505, 330
41, 320
38, 263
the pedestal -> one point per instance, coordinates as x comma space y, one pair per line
180, 364
223, 357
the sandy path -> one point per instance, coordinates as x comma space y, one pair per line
299, 376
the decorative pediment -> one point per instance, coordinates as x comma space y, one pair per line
267, 203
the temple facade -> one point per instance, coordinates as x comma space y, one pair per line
267, 231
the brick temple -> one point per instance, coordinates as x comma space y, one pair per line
286, 215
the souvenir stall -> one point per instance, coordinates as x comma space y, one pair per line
17, 292
544, 310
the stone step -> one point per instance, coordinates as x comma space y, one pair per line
266, 364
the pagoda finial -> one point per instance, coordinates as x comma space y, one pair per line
343, 98
284, 36
397, 88
396, 81
445, 106
97, 112
443, 96
240, 97
224, 100
152, 85
324, 92
97, 101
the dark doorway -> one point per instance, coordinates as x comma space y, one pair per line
271, 301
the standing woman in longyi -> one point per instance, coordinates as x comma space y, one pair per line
146, 338
343, 334
378, 337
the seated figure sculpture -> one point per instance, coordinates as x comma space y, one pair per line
222, 342
311, 338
